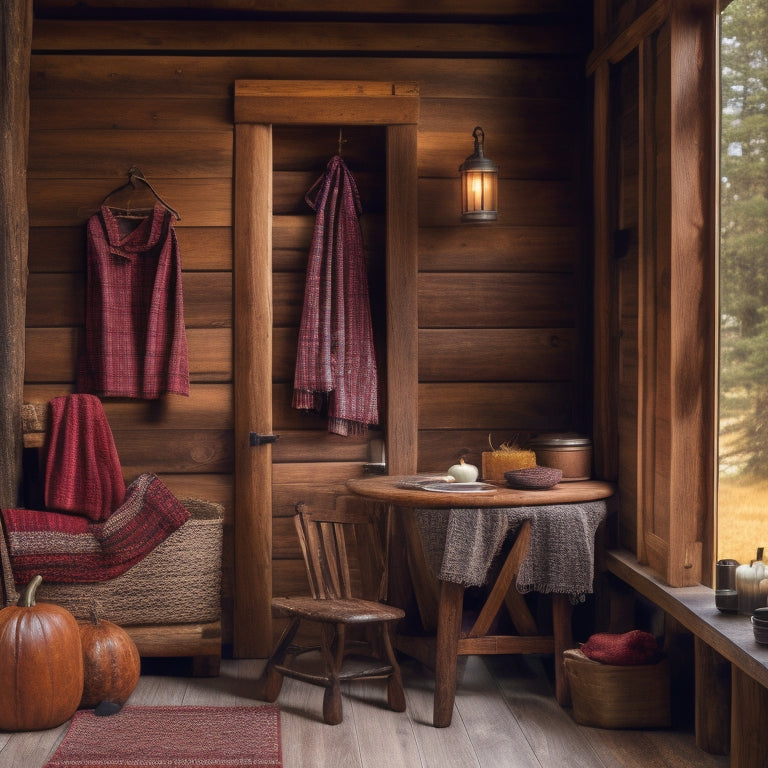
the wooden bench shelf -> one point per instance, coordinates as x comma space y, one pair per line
721, 639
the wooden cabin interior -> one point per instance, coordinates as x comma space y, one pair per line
588, 306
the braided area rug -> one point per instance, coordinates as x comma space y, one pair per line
173, 737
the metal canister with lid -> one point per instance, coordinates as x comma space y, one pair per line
568, 451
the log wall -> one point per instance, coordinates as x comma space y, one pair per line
504, 309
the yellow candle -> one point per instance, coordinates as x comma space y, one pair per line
496, 463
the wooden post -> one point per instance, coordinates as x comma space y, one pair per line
402, 300
604, 427
16, 41
253, 390
713, 700
749, 703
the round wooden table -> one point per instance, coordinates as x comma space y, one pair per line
440, 603
387, 488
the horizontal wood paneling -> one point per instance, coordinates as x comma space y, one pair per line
209, 406
309, 445
56, 299
498, 248
323, 495
494, 354
62, 249
121, 76
51, 354
215, 487
128, 113
446, 8
207, 451
170, 154
381, 36
69, 202
535, 155
489, 406
505, 300
486, 354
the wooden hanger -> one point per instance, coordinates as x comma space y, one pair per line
137, 185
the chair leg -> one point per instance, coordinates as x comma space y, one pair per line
395, 692
334, 657
332, 710
271, 681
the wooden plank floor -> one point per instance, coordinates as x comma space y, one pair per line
505, 716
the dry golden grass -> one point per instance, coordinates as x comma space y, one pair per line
742, 511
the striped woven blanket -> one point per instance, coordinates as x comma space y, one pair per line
63, 547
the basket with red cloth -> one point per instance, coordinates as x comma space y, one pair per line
619, 681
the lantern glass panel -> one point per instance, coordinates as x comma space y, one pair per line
479, 191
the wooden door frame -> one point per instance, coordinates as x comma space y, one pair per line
259, 104
675, 468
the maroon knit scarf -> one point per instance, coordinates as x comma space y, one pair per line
336, 362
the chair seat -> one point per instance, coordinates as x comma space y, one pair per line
336, 611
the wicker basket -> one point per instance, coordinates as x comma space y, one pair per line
179, 582
609, 696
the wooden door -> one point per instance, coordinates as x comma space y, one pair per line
258, 106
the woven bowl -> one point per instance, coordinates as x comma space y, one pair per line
533, 478
760, 632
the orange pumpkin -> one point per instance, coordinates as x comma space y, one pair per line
111, 663
41, 664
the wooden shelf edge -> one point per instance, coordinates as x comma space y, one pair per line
694, 607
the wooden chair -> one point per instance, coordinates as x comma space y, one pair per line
346, 566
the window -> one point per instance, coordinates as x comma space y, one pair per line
743, 396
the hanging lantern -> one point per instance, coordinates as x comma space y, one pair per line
479, 183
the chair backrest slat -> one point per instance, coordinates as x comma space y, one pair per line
331, 573
343, 560
311, 562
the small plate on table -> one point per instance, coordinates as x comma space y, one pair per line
460, 487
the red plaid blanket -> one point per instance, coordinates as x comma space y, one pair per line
336, 362
83, 474
63, 547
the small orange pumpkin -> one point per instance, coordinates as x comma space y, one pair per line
111, 662
41, 664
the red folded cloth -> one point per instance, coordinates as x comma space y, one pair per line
82, 474
628, 649
70, 548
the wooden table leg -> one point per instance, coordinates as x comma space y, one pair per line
448, 630
562, 629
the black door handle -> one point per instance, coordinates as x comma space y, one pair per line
257, 439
